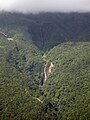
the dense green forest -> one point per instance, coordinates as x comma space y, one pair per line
69, 84
33, 42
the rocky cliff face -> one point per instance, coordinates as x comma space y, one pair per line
50, 69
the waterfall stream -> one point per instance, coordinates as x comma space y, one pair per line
45, 74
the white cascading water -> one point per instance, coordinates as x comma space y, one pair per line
45, 74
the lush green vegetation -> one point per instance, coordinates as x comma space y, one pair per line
66, 93
68, 87
21, 73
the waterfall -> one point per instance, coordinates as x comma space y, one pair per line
45, 74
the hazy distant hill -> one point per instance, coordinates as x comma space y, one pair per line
50, 29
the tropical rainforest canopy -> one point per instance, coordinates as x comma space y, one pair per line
55, 44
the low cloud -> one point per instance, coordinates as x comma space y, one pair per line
45, 5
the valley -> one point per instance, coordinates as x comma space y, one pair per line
45, 66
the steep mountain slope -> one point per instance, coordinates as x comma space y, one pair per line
49, 29
21, 71
39, 80
65, 94
68, 86
22, 54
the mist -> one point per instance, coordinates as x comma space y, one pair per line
34, 6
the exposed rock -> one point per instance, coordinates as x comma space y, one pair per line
50, 68
10, 39
3, 34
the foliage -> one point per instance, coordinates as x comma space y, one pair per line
66, 93
68, 87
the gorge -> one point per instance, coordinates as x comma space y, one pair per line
44, 66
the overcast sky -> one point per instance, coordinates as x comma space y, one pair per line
45, 5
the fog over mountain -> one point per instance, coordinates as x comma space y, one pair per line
45, 5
